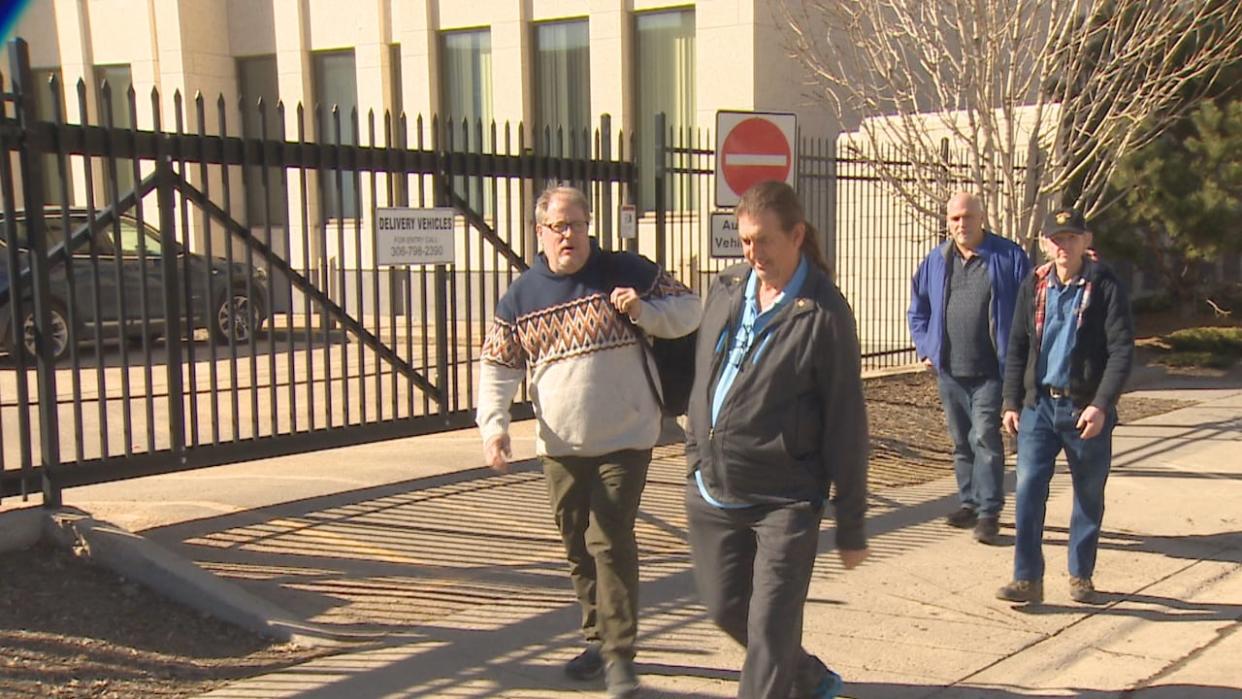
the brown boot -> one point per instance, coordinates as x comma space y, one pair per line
1024, 591
1082, 590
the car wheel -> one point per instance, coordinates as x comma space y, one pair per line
59, 333
237, 317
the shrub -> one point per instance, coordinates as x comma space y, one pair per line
1209, 360
1220, 341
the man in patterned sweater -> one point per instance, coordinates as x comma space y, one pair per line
562, 323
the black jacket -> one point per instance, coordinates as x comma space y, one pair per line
793, 424
1103, 347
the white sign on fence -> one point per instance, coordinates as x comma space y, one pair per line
725, 242
415, 236
629, 222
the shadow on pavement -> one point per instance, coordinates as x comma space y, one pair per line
1157, 441
1225, 547
863, 690
440, 563
387, 559
1147, 374
1161, 609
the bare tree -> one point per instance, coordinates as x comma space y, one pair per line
1042, 97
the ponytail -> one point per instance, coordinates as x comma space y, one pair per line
810, 248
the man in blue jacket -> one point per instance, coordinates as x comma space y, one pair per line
961, 309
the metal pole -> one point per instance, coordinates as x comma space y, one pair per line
31, 162
605, 154
172, 307
661, 213
442, 183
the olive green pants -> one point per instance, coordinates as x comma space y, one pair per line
595, 502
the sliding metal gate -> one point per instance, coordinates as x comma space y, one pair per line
172, 323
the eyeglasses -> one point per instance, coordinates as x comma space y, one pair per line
559, 227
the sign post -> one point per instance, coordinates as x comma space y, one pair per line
753, 147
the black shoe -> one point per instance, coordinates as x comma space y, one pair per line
621, 680
587, 665
962, 518
987, 531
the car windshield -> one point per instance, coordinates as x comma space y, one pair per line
54, 229
134, 240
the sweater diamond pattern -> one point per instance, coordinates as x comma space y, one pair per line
582, 326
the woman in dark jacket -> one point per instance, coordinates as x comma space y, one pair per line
777, 421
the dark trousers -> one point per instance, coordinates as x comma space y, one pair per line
753, 567
595, 502
972, 409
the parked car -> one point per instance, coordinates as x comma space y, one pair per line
230, 306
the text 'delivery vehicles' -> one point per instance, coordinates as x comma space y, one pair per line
408, 236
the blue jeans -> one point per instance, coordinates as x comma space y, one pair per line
972, 409
1043, 432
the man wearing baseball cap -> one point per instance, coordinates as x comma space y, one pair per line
1070, 352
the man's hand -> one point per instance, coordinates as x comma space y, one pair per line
497, 452
1010, 420
851, 558
626, 301
1091, 422
928, 366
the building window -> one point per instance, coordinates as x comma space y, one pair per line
664, 48
466, 76
336, 85
119, 79
563, 82
256, 80
466, 99
55, 190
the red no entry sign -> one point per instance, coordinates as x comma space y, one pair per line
752, 147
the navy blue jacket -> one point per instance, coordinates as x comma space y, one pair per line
1008, 266
793, 425
1103, 353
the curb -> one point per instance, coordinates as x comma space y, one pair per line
21, 529
143, 561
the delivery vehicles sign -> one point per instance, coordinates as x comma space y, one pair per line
415, 236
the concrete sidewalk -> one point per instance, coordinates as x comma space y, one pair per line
464, 577
460, 572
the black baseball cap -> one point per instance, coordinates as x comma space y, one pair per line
1064, 220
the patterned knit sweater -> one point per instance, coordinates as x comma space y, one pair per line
586, 381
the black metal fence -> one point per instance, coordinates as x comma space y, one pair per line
158, 314
209, 290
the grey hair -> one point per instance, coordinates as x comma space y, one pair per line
575, 195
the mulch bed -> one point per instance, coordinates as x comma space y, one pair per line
71, 629
909, 441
